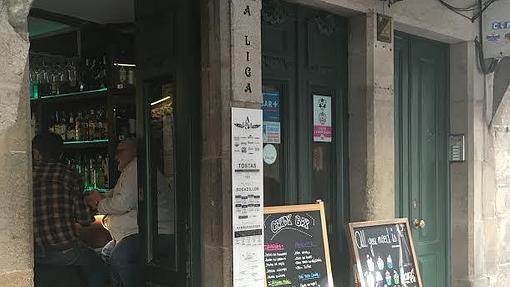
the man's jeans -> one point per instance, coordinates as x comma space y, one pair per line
77, 254
125, 258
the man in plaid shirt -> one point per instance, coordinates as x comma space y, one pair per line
59, 204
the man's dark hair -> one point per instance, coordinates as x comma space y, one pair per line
49, 146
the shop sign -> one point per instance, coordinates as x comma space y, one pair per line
271, 116
383, 254
322, 129
247, 198
296, 248
496, 30
246, 50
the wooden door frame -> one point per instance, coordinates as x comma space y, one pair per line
400, 197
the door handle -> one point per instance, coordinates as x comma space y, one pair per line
419, 223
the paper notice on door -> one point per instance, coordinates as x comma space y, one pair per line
322, 129
247, 198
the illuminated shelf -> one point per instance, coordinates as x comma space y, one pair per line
87, 94
87, 144
90, 188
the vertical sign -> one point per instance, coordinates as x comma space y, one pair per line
247, 198
271, 116
322, 129
246, 50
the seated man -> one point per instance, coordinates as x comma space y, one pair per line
58, 205
120, 207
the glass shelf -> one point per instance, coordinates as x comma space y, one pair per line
88, 143
74, 94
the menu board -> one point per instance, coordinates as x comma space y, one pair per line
383, 254
296, 250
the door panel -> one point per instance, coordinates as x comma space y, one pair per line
168, 70
422, 122
304, 53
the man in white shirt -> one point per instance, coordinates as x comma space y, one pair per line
120, 207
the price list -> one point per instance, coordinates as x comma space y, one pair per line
294, 253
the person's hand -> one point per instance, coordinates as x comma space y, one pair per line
93, 199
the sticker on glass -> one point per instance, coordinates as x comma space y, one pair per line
322, 129
270, 154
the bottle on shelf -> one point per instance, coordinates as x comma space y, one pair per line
92, 125
103, 74
84, 127
122, 77
77, 127
71, 125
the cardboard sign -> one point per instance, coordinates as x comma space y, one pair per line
296, 250
383, 254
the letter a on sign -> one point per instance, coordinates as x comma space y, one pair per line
247, 10
248, 88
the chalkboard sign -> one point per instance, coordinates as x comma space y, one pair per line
383, 254
296, 250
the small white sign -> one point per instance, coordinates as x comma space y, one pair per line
496, 32
270, 154
272, 132
322, 129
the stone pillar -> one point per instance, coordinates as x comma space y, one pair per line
16, 262
470, 181
221, 90
371, 122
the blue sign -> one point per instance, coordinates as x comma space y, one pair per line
271, 107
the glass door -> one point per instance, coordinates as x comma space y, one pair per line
168, 117
157, 192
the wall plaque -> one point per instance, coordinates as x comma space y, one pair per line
246, 51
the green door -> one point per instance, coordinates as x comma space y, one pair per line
421, 97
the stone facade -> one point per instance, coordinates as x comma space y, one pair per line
15, 149
479, 187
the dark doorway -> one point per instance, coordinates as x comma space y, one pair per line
105, 71
304, 69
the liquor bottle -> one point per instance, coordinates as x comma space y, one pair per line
103, 73
100, 178
93, 174
101, 124
77, 127
63, 126
106, 168
84, 127
71, 135
122, 77
92, 125
86, 173
56, 124
131, 76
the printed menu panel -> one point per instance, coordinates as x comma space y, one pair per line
384, 254
247, 198
296, 251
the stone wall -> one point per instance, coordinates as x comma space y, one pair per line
371, 122
15, 190
427, 18
497, 211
